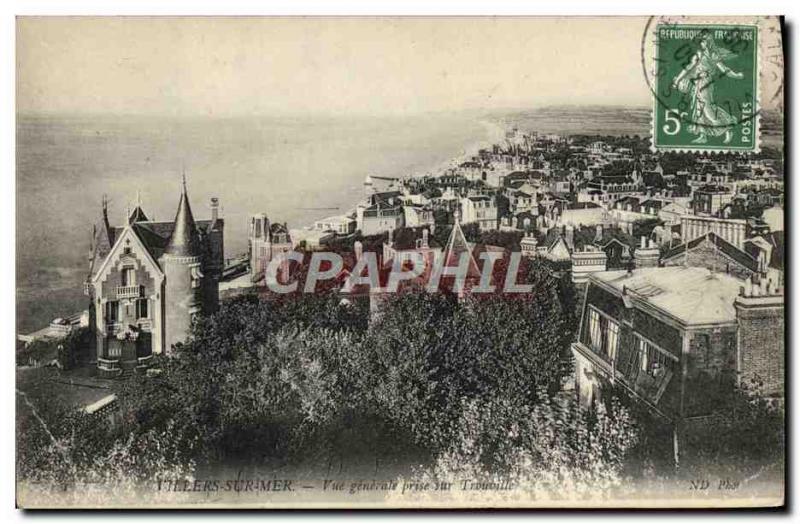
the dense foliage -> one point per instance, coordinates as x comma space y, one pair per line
309, 377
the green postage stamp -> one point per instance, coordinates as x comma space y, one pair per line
706, 88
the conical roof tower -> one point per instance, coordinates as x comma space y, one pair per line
184, 241
101, 239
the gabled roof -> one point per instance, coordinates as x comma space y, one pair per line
737, 255
131, 231
152, 241
456, 245
658, 204
137, 216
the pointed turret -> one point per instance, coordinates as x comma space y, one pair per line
183, 273
183, 241
101, 239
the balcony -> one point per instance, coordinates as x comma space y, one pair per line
647, 385
130, 291
108, 368
144, 324
143, 363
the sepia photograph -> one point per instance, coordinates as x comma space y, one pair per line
396, 262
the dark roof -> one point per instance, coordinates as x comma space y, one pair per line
277, 228
710, 188
183, 241
615, 179
383, 197
137, 216
582, 205
153, 242
737, 255
628, 199
658, 204
406, 238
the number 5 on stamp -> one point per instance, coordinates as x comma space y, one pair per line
706, 88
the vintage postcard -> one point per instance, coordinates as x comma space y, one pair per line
400, 262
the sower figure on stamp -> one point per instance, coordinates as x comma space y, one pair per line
697, 80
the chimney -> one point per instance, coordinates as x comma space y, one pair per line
598, 236
760, 339
358, 248
647, 254
570, 237
214, 209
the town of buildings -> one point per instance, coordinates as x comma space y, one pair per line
679, 259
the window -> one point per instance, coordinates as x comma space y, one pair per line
128, 276
612, 339
594, 329
603, 335
112, 307
197, 275
141, 308
654, 362
704, 347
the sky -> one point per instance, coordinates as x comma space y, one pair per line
238, 66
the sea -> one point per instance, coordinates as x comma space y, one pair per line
294, 169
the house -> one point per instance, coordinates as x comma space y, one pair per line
417, 215
380, 218
337, 224
481, 209
618, 253
412, 244
709, 200
520, 201
147, 281
672, 338
671, 213
731, 230
267, 242
768, 250
583, 214
380, 212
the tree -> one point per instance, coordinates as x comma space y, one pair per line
744, 433
554, 446
427, 352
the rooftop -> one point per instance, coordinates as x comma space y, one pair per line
693, 295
